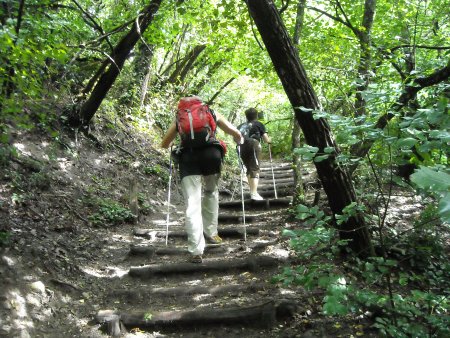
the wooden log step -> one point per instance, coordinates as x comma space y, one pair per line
271, 193
236, 218
224, 232
151, 250
280, 202
276, 171
278, 175
283, 190
269, 180
249, 263
137, 294
248, 204
263, 315
266, 165
279, 185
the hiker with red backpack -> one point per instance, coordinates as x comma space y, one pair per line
252, 131
200, 157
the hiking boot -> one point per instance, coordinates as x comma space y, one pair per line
213, 240
255, 196
196, 259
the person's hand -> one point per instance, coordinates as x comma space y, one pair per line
239, 139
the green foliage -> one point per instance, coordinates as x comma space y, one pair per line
144, 206
309, 242
425, 243
437, 184
40, 180
417, 314
362, 286
110, 213
5, 152
159, 171
311, 215
5, 237
349, 211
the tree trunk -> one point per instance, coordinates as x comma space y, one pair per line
299, 192
335, 179
365, 59
119, 55
9, 83
180, 72
216, 94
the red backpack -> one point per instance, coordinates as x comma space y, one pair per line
196, 123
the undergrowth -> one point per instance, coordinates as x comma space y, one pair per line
404, 293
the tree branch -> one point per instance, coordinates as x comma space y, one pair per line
335, 18
96, 25
211, 100
20, 16
347, 20
420, 46
284, 6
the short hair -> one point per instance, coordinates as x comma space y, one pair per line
251, 114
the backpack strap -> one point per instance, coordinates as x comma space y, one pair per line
213, 114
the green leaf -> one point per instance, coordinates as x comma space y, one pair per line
333, 306
406, 142
320, 158
444, 208
302, 208
289, 233
427, 178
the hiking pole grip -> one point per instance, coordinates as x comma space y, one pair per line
238, 150
273, 175
168, 196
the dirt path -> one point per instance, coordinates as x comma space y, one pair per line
153, 290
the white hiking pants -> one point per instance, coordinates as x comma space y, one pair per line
201, 213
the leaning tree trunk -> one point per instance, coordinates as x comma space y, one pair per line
119, 55
335, 179
183, 67
299, 192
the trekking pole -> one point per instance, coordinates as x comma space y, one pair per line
238, 149
168, 196
273, 175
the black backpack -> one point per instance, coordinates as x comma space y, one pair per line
249, 130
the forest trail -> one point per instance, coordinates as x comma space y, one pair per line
230, 294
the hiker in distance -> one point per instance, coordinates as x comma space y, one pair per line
200, 161
250, 152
